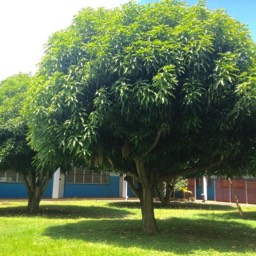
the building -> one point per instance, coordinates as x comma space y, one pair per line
82, 182
224, 190
79, 182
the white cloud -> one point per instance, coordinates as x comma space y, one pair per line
25, 26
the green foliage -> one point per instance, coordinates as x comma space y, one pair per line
155, 91
15, 154
167, 83
181, 184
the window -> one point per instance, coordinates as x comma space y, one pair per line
79, 175
10, 176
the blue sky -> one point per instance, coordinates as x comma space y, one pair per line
242, 10
26, 25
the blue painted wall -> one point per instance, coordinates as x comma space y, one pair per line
130, 193
48, 191
93, 190
18, 190
210, 191
12, 190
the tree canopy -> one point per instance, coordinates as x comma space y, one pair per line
154, 91
15, 153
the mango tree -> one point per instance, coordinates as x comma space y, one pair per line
154, 91
15, 153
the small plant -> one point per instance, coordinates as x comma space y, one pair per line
166, 190
182, 185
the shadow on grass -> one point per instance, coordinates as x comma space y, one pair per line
230, 211
174, 205
67, 211
234, 215
177, 235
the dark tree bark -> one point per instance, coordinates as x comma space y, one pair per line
147, 210
34, 199
147, 206
36, 184
164, 191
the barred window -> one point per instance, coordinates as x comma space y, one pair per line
79, 175
10, 176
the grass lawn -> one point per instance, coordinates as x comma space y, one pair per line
95, 227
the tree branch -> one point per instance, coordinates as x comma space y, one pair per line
45, 180
26, 182
135, 190
157, 138
135, 176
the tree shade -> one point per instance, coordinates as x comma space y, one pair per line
155, 91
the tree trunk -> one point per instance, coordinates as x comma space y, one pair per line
34, 199
164, 191
147, 210
169, 193
35, 185
147, 206
160, 189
